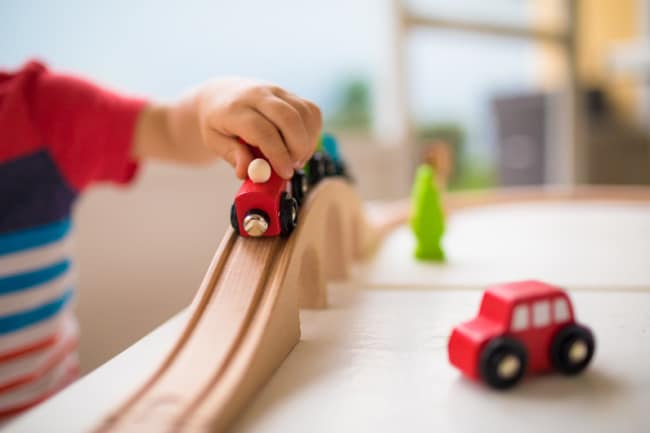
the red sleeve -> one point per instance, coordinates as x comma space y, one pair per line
87, 130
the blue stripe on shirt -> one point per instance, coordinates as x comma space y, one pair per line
16, 321
25, 280
35, 237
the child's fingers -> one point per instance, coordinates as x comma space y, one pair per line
290, 124
230, 150
310, 115
258, 131
242, 157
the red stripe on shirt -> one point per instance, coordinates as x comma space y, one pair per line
71, 375
45, 368
31, 348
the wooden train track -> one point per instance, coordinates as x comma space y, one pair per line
243, 321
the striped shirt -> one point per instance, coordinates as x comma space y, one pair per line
58, 134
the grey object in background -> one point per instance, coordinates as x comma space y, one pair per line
521, 139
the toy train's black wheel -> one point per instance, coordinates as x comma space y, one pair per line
299, 186
503, 362
572, 349
342, 170
317, 168
288, 214
233, 219
330, 166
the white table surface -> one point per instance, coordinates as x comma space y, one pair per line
376, 359
595, 246
377, 362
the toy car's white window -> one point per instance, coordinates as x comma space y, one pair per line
519, 318
541, 313
561, 310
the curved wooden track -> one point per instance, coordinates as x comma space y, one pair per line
243, 320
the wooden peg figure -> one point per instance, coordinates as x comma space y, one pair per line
427, 217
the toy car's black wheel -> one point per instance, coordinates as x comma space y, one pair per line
233, 219
299, 186
572, 349
503, 362
288, 214
317, 169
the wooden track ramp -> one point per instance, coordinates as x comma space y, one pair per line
243, 321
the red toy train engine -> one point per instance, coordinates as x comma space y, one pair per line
522, 327
268, 205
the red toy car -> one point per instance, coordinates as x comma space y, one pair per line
266, 205
522, 327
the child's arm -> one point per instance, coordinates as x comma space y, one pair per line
206, 123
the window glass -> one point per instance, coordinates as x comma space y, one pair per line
541, 313
561, 308
451, 102
520, 318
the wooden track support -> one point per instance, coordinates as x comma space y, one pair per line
243, 321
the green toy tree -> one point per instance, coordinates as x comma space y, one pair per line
427, 217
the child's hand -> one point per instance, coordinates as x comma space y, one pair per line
207, 124
284, 126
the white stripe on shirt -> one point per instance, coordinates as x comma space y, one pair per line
42, 330
35, 296
35, 258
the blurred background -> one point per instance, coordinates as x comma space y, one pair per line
498, 93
